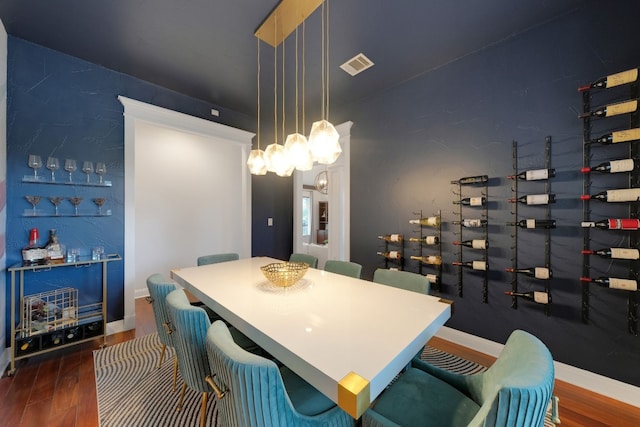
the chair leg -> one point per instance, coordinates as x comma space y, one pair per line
164, 347
203, 409
180, 402
175, 373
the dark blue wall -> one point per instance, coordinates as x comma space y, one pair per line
460, 120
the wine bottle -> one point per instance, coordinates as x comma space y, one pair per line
471, 201
612, 109
474, 244
33, 253
534, 175
474, 265
534, 223
431, 278
479, 179
612, 80
615, 253
535, 199
542, 273
391, 254
471, 223
432, 221
393, 238
55, 251
427, 240
535, 296
613, 166
429, 259
613, 283
613, 224
618, 136
612, 196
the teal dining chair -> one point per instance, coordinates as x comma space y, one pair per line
253, 391
216, 258
514, 392
402, 279
346, 268
309, 259
159, 287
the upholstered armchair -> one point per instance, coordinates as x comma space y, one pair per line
309, 259
402, 279
346, 268
216, 258
514, 392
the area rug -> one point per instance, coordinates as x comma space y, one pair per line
133, 392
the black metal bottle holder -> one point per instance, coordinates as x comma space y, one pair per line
438, 232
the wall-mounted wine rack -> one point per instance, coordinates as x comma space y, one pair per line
393, 243
633, 300
435, 249
545, 175
483, 211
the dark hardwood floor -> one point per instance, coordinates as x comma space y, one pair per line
58, 389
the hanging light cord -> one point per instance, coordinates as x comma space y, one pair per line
283, 98
323, 94
275, 87
327, 64
258, 92
304, 121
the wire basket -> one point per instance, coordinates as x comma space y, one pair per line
48, 311
284, 274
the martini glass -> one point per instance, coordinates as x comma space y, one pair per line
56, 202
35, 163
99, 201
70, 166
34, 200
75, 201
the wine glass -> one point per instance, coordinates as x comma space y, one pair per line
101, 169
34, 200
70, 166
35, 162
53, 165
87, 167
75, 201
56, 202
99, 201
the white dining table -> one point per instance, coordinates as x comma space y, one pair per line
347, 337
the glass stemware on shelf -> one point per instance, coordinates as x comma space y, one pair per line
70, 166
35, 163
99, 201
87, 167
56, 202
34, 200
101, 169
53, 165
75, 201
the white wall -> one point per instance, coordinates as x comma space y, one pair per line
4, 358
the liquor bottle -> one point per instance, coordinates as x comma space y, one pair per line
611, 196
612, 109
471, 201
471, 223
55, 251
432, 221
618, 136
542, 273
534, 175
613, 166
535, 199
474, 265
393, 238
431, 278
391, 254
613, 283
474, 244
615, 253
480, 179
534, 223
427, 240
612, 80
535, 296
613, 224
429, 259
33, 253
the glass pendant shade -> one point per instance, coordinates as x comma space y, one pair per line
324, 142
276, 160
297, 150
256, 162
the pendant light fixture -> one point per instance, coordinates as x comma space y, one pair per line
256, 161
324, 140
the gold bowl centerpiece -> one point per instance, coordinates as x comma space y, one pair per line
284, 274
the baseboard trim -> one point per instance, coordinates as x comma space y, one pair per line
597, 383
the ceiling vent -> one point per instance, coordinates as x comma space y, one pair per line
357, 64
